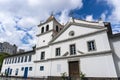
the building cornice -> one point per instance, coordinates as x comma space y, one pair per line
75, 56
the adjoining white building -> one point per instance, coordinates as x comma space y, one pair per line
19, 64
79, 46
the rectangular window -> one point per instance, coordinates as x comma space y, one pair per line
10, 71
18, 59
22, 68
72, 49
42, 55
6, 71
15, 59
5, 61
91, 45
30, 68
57, 51
58, 68
16, 72
22, 59
10, 61
29, 58
25, 59
41, 68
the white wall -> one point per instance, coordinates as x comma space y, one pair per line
58, 67
47, 51
79, 30
98, 66
91, 66
45, 72
101, 41
115, 43
43, 40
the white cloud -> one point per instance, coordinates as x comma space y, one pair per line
114, 17
64, 16
103, 16
89, 18
30, 12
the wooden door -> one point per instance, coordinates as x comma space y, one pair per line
74, 69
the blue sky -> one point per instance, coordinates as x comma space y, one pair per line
19, 18
92, 7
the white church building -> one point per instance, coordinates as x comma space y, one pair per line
79, 46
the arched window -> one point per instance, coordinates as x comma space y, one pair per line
47, 28
42, 30
57, 29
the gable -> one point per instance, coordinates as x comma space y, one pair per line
78, 31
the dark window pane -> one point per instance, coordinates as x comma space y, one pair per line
22, 59
29, 58
91, 45
42, 55
25, 58
57, 51
57, 28
72, 49
42, 30
47, 28
41, 68
30, 68
22, 68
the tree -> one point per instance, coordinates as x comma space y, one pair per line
2, 56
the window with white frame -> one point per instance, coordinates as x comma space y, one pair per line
41, 68
25, 59
29, 58
91, 45
22, 59
58, 51
18, 59
30, 68
15, 59
42, 55
72, 49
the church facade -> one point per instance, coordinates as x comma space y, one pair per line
79, 47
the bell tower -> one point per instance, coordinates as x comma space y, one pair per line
47, 30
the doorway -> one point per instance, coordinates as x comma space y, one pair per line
26, 72
74, 69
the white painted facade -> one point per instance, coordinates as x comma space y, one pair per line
97, 63
115, 44
12, 63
